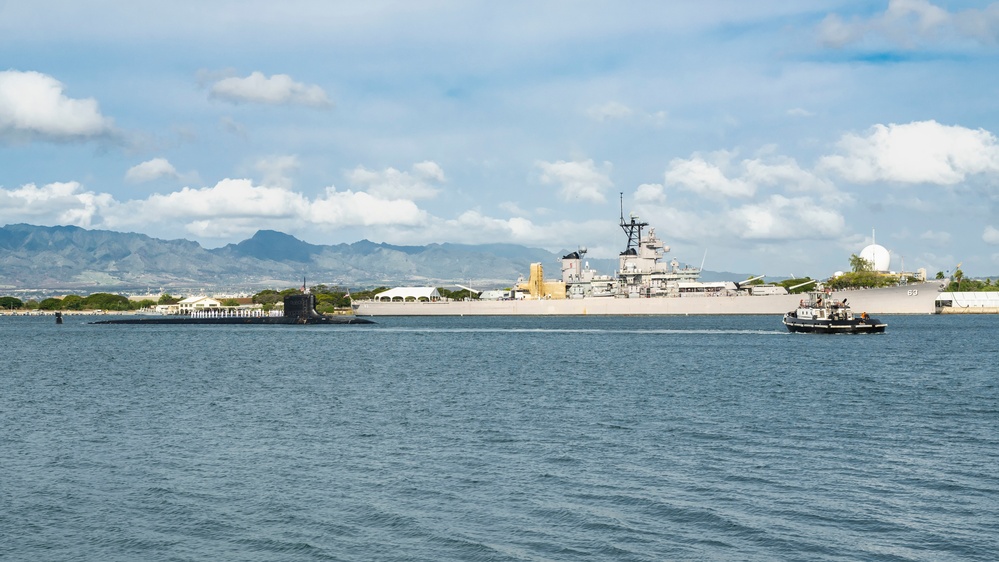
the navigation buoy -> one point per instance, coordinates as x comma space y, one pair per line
58, 318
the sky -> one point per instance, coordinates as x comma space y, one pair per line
768, 137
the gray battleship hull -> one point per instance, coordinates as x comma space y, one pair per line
915, 298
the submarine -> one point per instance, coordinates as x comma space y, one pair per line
298, 309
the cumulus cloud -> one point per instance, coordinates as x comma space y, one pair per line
918, 152
227, 198
33, 106
60, 203
278, 89
230, 208
419, 183
935, 238
907, 23
358, 208
513, 208
650, 193
707, 179
991, 235
579, 180
235, 207
783, 218
277, 170
473, 226
719, 176
151, 170
785, 172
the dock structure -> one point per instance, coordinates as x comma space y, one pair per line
979, 302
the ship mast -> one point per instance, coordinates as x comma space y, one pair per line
632, 229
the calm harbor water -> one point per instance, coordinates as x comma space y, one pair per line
675, 438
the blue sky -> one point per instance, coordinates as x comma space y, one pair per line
770, 137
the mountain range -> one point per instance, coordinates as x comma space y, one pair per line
77, 259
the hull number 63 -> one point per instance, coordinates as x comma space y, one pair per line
913, 292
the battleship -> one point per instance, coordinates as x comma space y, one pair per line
298, 309
645, 284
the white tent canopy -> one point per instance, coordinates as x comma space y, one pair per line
409, 294
970, 299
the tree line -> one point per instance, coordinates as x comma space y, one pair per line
95, 301
863, 275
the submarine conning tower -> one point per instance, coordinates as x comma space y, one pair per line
300, 307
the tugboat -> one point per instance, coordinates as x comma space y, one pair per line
820, 314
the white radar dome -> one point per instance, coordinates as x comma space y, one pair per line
877, 255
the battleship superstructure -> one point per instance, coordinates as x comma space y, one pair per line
641, 272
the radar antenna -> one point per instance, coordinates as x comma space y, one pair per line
632, 229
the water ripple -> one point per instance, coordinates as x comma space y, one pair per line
684, 438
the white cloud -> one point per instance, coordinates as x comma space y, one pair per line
982, 25
61, 203
918, 152
429, 171
909, 22
236, 207
515, 228
278, 89
277, 170
783, 218
834, 32
991, 235
230, 208
776, 218
935, 238
786, 173
707, 179
151, 170
513, 208
579, 180
33, 105
799, 112
358, 208
472, 226
394, 184
227, 198
650, 193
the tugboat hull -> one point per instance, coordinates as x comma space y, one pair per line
825, 326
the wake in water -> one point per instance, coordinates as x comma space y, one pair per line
595, 331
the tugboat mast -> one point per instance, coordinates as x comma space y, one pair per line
632, 229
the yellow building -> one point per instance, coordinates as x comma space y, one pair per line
538, 288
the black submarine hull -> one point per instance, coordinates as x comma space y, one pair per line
298, 309
238, 320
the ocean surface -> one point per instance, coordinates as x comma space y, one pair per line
671, 438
